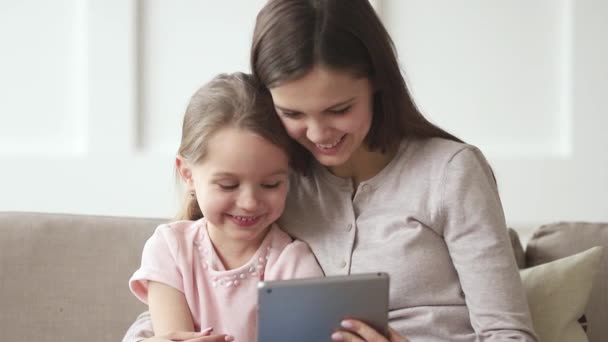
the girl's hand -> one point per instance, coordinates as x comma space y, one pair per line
353, 330
183, 336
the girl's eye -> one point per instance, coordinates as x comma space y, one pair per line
341, 110
271, 185
228, 186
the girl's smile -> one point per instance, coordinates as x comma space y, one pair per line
245, 221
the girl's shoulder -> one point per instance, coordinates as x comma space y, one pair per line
184, 226
284, 245
278, 239
181, 232
289, 258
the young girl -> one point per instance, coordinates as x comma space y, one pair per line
200, 273
381, 188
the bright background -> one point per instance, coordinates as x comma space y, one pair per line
92, 94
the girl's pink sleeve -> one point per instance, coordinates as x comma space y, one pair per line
158, 263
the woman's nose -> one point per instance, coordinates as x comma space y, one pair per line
317, 132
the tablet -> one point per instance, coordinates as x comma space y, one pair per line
305, 310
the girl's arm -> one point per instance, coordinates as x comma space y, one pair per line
169, 309
141, 330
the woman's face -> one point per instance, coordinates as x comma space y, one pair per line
328, 112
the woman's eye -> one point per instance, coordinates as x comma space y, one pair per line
341, 110
291, 115
271, 185
228, 186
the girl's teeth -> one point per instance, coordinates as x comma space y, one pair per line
245, 219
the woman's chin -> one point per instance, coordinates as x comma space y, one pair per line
330, 161
330, 158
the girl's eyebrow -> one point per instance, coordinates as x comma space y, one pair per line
279, 173
228, 174
224, 175
332, 107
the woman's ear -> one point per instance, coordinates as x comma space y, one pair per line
185, 172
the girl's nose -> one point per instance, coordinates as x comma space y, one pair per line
248, 200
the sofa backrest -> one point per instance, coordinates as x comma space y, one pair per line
65, 277
555, 241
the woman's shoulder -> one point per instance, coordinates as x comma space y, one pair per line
439, 149
438, 153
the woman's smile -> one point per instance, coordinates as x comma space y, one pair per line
331, 148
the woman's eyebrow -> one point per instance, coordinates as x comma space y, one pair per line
339, 104
282, 109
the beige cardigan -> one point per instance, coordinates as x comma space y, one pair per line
432, 219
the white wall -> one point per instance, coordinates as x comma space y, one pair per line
524, 80
92, 94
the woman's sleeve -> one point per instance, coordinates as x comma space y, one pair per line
477, 239
158, 263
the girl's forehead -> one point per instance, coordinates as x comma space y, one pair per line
239, 151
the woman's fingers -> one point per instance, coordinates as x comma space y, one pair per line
394, 337
215, 338
189, 336
184, 335
345, 336
358, 331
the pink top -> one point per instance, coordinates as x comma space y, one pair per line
181, 255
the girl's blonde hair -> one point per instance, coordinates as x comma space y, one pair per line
228, 100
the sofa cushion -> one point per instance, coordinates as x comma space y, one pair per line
558, 292
64, 277
518, 250
555, 241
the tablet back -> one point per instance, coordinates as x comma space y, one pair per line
311, 309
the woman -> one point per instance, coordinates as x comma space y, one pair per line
379, 188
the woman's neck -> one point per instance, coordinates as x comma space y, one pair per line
231, 252
364, 164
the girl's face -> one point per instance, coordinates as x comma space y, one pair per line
241, 184
328, 112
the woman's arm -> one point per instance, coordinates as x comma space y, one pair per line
169, 309
475, 233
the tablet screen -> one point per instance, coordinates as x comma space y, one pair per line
312, 309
